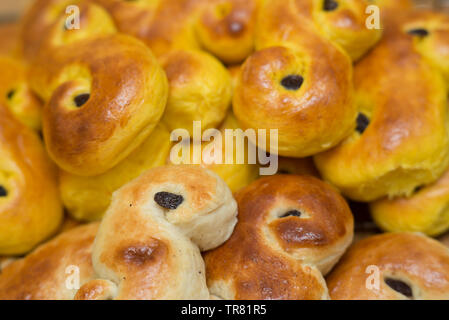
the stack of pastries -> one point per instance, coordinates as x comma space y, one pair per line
93, 205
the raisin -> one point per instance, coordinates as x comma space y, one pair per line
168, 200
292, 82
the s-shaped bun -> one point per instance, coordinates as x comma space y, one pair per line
200, 90
44, 26
426, 210
52, 270
392, 266
287, 83
401, 140
104, 96
291, 231
30, 209
149, 241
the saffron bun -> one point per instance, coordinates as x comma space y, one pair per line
291, 230
173, 26
30, 208
44, 25
435, 46
104, 97
236, 175
398, 144
87, 198
226, 28
49, 272
200, 90
344, 23
426, 210
16, 94
285, 85
149, 241
392, 266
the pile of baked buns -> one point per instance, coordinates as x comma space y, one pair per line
92, 205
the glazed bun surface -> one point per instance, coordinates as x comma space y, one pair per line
401, 139
149, 241
291, 231
104, 97
200, 90
30, 208
45, 273
287, 83
344, 23
426, 210
411, 266
44, 26
226, 28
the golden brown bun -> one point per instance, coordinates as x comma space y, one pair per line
416, 266
104, 98
344, 22
44, 273
274, 257
16, 94
225, 28
44, 25
426, 210
434, 47
149, 241
172, 26
402, 138
200, 90
30, 208
286, 85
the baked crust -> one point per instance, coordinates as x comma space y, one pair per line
274, 257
